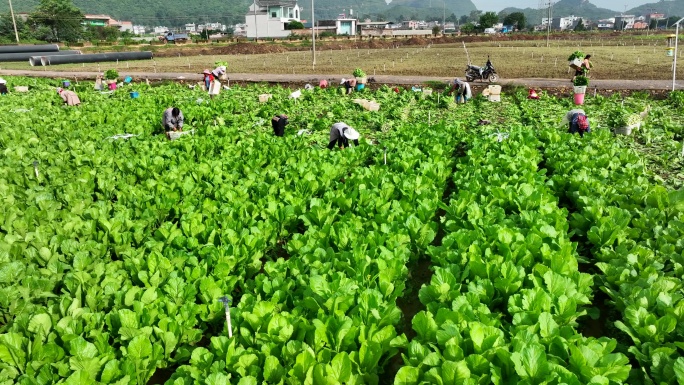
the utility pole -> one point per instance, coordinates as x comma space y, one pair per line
674, 63
548, 26
313, 35
256, 25
14, 21
443, 17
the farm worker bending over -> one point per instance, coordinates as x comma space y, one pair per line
70, 98
462, 91
349, 84
323, 83
208, 79
577, 122
3, 86
218, 71
215, 85
172, 120
341, 134
278, 123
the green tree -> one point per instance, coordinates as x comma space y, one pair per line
452, 18
7, 28
294, 24
463, 19
580, 26
436, 29
516, 19
488, 19
669, 23
467, 28
61, 19
101, 33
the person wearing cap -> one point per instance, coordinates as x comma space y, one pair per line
3, 87
349, 84
323, 83
278, 123
462, 91
577, 122
208, 79
172, 120
69, 97
341, 134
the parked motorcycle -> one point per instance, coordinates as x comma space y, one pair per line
481, 73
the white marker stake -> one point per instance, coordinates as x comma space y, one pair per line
230, 326
226, 303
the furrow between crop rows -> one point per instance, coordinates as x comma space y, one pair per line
503, 304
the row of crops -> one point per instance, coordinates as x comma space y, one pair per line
114, 253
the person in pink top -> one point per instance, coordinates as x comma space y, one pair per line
70, 98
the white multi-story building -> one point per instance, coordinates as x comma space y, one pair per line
269, 18
189, 28
564, 23
160, 30
624, 22
139, 30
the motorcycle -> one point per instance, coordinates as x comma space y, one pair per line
481, 73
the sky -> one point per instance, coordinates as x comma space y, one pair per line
497, 5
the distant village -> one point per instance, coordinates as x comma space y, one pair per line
273, 19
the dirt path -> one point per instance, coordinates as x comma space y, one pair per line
599, 84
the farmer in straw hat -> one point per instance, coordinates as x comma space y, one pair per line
341, 134
577, 122
208, 78
69, 97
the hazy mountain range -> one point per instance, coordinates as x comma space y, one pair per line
176, 12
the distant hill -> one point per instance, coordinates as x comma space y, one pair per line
178, 12
669, 8
581, 8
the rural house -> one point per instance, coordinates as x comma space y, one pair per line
269, 18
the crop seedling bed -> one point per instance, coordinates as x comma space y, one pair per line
457, 261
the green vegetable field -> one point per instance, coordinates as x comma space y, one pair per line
464, 256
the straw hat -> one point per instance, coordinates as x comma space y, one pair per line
351, 134
3, 81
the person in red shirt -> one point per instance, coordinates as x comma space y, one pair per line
208, 79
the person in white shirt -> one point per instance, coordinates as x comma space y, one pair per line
341, 134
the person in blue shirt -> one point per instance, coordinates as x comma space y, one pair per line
577, 122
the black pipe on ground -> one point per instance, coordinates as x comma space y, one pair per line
95, 57
34, 58
29, 48
21, 56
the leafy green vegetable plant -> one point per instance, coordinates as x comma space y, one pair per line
111, 74
580, 81
358, 73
